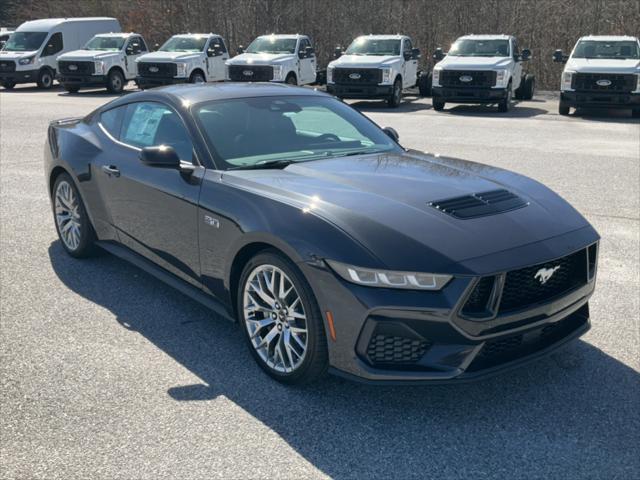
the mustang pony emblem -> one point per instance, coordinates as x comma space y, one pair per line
544, 274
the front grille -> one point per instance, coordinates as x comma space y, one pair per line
7, 66
395, 350
467, 78
357, 76
588, 82
253, 73
480, 204
76, 68
148, 69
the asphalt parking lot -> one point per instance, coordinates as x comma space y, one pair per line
108, 373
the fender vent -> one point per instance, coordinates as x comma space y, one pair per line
480, 204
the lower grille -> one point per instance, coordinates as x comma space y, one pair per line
7, 66
603, 82
477, 304
76, 68
147, 69
253, 73
357, 76
467, 78
395, 350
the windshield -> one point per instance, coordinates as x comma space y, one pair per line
105, 43
249, 132
271, 44
184, 44
24, 41
479, 48
372, 46
609, 50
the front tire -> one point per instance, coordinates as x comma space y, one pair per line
505, 104
438, 105
8, 85
71, 89
291, 79
45, 79
396, 94
197, 77
115, 81
563, 109
281, 320
635, 113
72, 222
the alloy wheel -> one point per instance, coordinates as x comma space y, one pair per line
275, 318
68, 215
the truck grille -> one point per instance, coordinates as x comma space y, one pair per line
7, 66
357, 76
467, 78
148, 69
253, 73
76, 68
603, 82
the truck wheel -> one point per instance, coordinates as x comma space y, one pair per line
563, 108
197, 77
115, 81
529, 87
424, 84
438, 105
8, 85
396, 94
291, 79
505, 105
70, 88
45, 78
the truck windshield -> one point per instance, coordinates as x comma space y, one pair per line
272, 44
24, 41
111, 44
272, 132
610, 50
479, 48
184, 44
372, 46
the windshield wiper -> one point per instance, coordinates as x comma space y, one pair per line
271, 164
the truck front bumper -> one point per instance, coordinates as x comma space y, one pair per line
469, 94
359, 91
150, 82
82, 80
19, 76
601, 99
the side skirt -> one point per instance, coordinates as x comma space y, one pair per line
152, 269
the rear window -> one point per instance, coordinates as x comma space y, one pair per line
111, 120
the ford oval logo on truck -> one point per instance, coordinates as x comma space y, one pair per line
603, 83
247, 73
154, 69
466, 78
355, 76
73, 68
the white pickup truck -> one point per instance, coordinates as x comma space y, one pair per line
107, 60
374, 66
185, 58
602, 71
275, 58
485, 69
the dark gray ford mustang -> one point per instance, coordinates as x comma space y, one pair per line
332, 246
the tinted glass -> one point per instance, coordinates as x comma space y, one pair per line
105, 43
609, 50
184, 44
54, 45
372, 46
480, 48
111, 120
249, 131
25, 41
272, 44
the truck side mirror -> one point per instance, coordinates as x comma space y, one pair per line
240, 50
337, 52
415, 53
438, 54
156, 47
559, 57
309, 51
525, 55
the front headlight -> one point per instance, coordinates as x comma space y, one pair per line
181, 69
502, 78
435, 78
567, 78
389, 279
386, 75
277, 73
99, 67
638, 83
27, 61
330, 74
226, 72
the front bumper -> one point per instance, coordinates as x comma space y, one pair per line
150, 82
359, 91
469, 94
19, 76
601, 99
82, 80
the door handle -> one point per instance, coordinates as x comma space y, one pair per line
111, 170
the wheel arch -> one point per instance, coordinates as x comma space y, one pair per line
198, 70
55, 173
119, 68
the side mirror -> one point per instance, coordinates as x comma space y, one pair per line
240, 50
156, 47
559, 57
309, 51
525, 55
438, 54
392, 133
337, 52
415, 53
162, 156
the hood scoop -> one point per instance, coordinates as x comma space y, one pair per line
479, 204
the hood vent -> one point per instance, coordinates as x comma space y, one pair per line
480, 204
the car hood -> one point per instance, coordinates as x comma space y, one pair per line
382, 202
364, 61
4, 55
87, 55
260, 58
476, 63
168, 56
591, 65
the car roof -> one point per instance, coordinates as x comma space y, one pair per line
486, 37
116, 34
196, 35
610, 38
383, 36
282, 35
46, 24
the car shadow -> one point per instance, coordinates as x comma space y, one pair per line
605, 115
410, 103
556, 407
517, 110
31, 88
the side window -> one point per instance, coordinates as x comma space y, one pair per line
149, 124
516, 51
111, 120
136, 45
406, 45
304, 43
220, 41
54, 45
143, 46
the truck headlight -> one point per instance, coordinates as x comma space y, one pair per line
277, 73
389, 279
330, 74
638, 83
567, 78
502, 78
435, 77
27, 60
181, 69
226, 73
386, 75
99, 67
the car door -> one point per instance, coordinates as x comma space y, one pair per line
306, 62
153, 209
517, 68
134, 47
410, 74
217, 55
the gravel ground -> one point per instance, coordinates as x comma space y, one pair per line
107, 373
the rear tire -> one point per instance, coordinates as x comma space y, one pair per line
424, 84
115, 81
8, 85
285, 333
396, 94
45, 79
563, 108
438, 105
